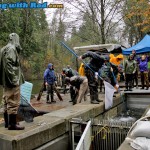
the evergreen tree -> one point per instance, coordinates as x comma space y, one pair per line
32, 28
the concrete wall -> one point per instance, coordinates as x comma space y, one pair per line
50, 131
61, 143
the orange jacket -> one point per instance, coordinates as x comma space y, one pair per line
116, 60
82, 70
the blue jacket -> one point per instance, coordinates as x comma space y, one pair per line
49, 75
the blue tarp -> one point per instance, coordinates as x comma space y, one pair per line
142, 47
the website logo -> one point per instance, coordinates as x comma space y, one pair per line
32, 5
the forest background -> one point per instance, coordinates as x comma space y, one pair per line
80, 23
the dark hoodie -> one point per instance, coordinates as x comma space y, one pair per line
49, 75
96, 61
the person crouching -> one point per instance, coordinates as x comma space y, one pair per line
81, 85
50, 78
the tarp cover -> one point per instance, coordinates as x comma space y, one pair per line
142, 47
101, 48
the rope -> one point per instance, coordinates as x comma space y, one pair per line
105, 128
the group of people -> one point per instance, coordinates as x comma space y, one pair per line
132, 66
100, 67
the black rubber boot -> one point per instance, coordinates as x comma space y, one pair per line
93, 101
13, 123
6, 119
72, 94
52, 99
47, 100
130, 88
74, 102
147, 88
126, 88
96, 98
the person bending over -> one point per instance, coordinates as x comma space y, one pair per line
95, 64
81, 87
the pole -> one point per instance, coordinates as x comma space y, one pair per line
69, 49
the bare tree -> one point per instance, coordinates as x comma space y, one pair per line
105, 14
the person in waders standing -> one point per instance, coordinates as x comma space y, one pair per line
11, 78
49, 79
95, 64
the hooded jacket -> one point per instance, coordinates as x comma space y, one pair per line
10, 67
49, 75
96, 61
106, 74
143, 64
82, 70
69, 72
115, 60
130, 66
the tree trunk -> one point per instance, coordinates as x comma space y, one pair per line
103, 40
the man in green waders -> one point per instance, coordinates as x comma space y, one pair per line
11, 78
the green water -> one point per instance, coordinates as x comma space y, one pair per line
36, 87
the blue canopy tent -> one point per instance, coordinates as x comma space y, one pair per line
142, 47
